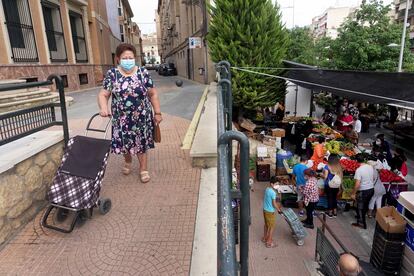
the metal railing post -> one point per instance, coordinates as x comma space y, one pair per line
228, 106
225, 74
224, 140
61, 89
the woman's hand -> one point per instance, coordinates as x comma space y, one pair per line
158, 119
104, 113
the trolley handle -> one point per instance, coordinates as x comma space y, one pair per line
89, 128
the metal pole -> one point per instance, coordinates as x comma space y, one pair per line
205, 31
400, 62
61, 89
245, 191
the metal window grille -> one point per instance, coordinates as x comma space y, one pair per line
20, 29
54, 32
78, 37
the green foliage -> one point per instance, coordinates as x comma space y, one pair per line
301, 46
364, 39
249, 33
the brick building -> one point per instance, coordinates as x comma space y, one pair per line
177, 21
72, 38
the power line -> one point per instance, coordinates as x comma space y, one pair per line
323, 86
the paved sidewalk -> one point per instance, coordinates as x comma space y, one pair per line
149, 230
288, 258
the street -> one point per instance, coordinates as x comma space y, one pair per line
150, 228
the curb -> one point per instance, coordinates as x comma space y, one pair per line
189, 136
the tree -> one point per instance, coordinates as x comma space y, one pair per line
363, 41
301, 46
249, 33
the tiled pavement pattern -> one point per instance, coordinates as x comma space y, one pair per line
288, 258
149, 230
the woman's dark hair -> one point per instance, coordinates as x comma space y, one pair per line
125, 47
333, 159
400, 152
321, 139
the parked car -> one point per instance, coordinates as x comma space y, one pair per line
167, 69
162, 69
150, 66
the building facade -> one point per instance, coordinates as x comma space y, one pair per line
178, 21
327, 24
137, 42
400, 6
150, 48
71, 38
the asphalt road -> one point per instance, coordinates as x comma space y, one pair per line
177, 101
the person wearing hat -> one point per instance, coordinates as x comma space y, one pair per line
311, 196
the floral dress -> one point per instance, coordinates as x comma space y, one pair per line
132, 117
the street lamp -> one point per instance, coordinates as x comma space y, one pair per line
400, 61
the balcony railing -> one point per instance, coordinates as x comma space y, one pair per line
20, 30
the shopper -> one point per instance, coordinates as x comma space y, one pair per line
299, 180
379, 192
333, 175
357, 125
348, 265
135, 109
363, 191
381, 147
310, 197
319, 151
399, 162
270, 205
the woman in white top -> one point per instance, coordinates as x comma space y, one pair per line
379, 192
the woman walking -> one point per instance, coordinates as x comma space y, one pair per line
135, 109
379, 192
333, 175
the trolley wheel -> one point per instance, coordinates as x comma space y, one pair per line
105, 205
61, 214
300, 242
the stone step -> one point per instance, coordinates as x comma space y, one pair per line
20, 96
7, 107
204, 148
11, 82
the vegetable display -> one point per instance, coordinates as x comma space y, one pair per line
334, 147
349, 165
365, 156
389, 176
348, 185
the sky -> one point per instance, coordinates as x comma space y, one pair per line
301, 15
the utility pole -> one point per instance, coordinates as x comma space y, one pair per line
400, 62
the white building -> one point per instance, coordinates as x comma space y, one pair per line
327, 24
150, 48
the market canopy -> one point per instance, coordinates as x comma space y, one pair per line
375, 87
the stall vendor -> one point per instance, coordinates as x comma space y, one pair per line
382, 147
345, 121
319, 151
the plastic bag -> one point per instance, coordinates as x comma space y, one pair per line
304, 144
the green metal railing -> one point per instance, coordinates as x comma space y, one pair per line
227, 263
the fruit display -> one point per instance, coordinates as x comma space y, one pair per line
334, 147
349, 165
389, 176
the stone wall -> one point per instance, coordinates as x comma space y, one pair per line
23, 189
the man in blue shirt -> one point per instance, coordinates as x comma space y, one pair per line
270, 204
300, 181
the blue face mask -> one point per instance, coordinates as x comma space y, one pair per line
127, 64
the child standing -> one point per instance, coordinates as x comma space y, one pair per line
311, 197
270, 204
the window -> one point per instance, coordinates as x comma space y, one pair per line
83, 79
20, 29
65, 80
54, 32
34, 79
78, 35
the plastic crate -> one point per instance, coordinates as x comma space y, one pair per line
387, 255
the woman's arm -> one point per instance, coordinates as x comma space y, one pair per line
155, 104
103, 98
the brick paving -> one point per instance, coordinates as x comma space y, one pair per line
149, 230
288, 258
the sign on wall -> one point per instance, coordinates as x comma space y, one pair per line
195, 42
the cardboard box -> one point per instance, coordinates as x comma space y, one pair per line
281, 171
264, 161
269, 141
247, 124
390, 220
278, 132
